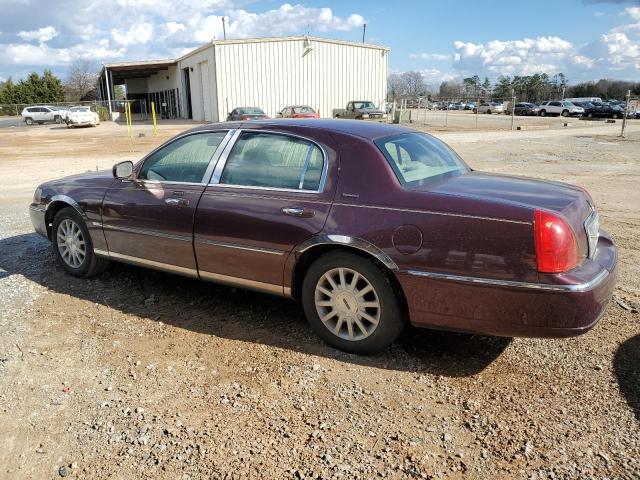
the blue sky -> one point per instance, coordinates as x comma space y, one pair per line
585, 39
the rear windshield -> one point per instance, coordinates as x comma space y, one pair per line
303, 110
417, 158
251, 111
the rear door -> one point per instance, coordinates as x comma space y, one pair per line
270, 191
149, 220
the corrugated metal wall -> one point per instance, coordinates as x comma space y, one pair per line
274, 74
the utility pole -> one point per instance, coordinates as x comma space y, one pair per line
224, 28
513, 106
624, 115
364, 31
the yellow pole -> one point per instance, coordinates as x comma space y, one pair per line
153, 116
127, 113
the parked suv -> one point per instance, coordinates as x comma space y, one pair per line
489, 107
564, 108
41, 114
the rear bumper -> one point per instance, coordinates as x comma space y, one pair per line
569, 306
37, 214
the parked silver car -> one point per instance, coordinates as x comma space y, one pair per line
43, 113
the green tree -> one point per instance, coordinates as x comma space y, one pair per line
34, 89
502, 89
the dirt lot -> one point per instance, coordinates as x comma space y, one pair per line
142, 374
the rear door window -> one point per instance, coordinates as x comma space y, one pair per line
275, 161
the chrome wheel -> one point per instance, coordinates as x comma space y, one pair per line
71, 243
347, 304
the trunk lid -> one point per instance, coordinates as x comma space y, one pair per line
570, 201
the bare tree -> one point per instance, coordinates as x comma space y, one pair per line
81, 80
396, 87
414, 84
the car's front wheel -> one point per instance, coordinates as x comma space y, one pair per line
72, 245
351, 303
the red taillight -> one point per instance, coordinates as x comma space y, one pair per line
556, 245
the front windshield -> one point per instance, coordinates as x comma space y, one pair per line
363, 105
417, 158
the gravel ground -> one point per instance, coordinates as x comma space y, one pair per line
142, 374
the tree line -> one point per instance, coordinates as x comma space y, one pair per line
80, 84
527, 88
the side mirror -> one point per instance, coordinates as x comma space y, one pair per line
123, 169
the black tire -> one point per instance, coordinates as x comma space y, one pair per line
28, 121
543, 113
475, 110
590, 115
391, 321
92, 264
57, 119
489, 112
565, 113
615, 115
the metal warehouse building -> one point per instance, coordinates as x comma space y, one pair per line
270, 73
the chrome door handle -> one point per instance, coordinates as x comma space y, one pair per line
177, 202
298, 212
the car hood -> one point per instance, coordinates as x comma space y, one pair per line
98, 178
555, 196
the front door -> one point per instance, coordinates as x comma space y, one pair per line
269, 192
149, 220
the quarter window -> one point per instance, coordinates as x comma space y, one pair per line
274, 161
184, 160
417, 158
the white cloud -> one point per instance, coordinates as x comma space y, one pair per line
142, 29
43, 34
431, 56
513, 57
633, 12
136, 34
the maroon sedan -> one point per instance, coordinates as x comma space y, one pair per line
370, 225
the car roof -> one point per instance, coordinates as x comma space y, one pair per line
359, 128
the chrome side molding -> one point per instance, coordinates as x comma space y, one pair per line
576, 288
143, 262
238, 246
354, 242
244, 283
193, 273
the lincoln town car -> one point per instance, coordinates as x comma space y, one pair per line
370, 226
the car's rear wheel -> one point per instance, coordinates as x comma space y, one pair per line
72, 245
543, 113
28, 121
489, 112
615, 115
351, 304
590, 115
57, 119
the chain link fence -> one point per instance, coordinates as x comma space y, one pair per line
491, 113
19, 115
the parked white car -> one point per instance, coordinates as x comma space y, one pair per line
489, 107
79, 116
43, 113
564, 108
